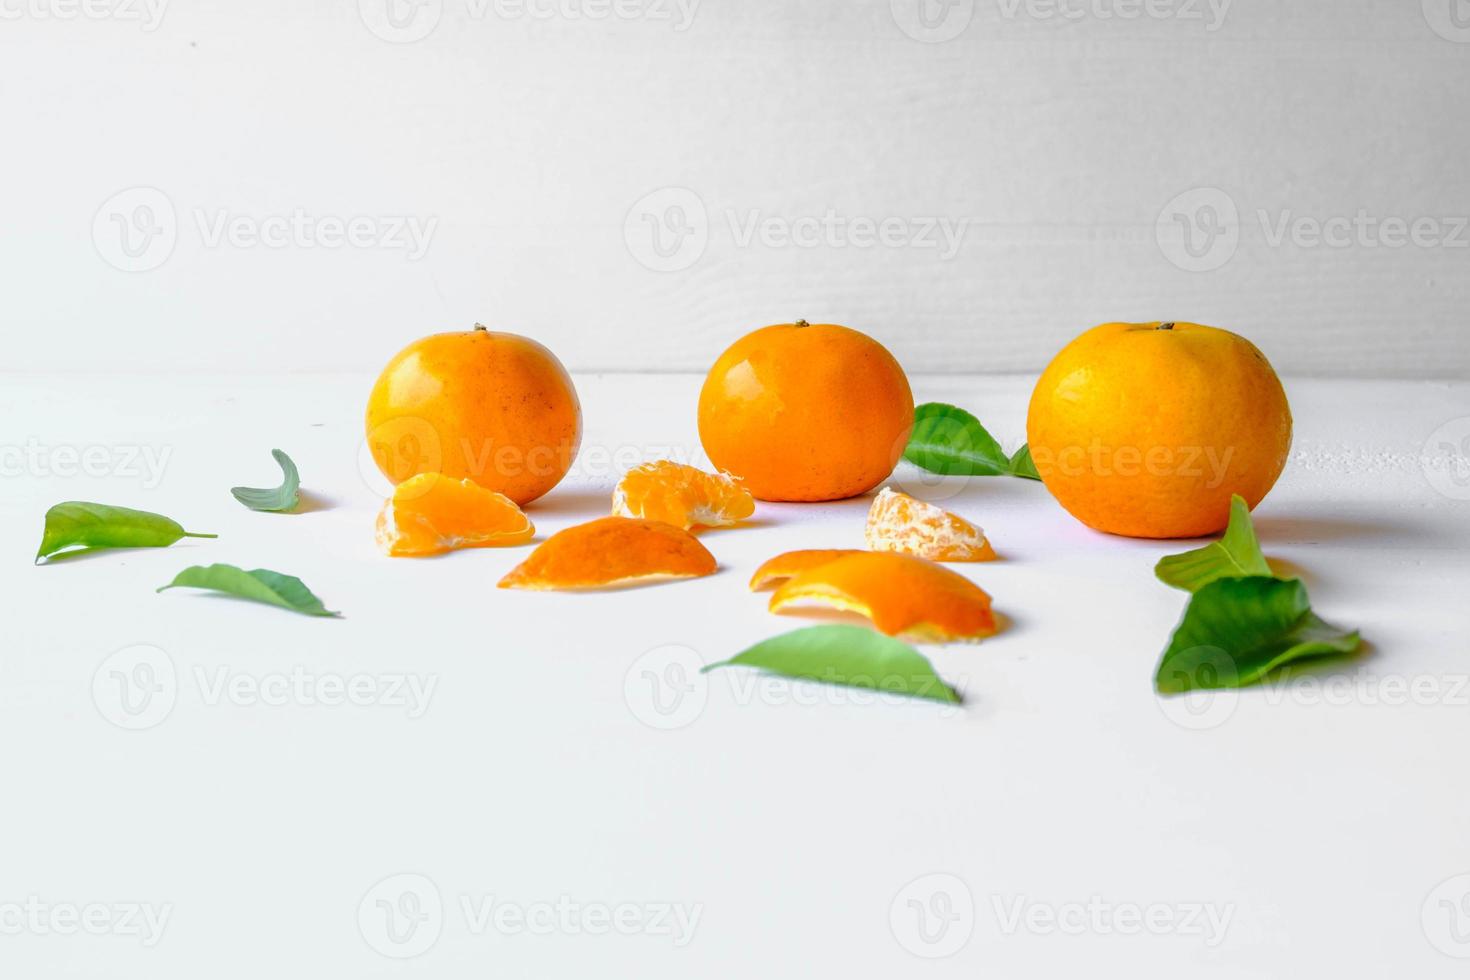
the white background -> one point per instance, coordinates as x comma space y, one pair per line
1058, 139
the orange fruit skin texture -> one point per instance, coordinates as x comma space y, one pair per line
1146, 432
784, 566
431, 514
681, 495
497, 408
806, 412
911, 598
611, 552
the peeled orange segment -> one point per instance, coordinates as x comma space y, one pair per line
681, 495
611, 552
910, 598
783, 567
898, 522
431, 513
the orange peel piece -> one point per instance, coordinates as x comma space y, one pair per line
611, 552
430, 514
909, 526
681, 495
907, 597
784, 566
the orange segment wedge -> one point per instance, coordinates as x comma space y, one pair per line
611, 552
900, 523
683, 496
910, 598
783, 567
430, 514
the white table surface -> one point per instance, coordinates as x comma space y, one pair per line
1322, 823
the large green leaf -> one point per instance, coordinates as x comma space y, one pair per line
951, 441
86, 526
280, 498
1236, 555
1237, 630
258, 585
851, 656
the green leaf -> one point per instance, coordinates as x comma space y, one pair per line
851, 656
951, 441
1237, 630
1236, 555
258, 585
87, 526
283, 497
1022, 465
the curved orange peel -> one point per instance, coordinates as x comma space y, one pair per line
681, 495
784, 566
906, 525
430, 514
910, 598
611, 552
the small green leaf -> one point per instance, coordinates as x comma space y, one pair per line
1236, 555
951, 441
258, 585
280, 498
851, 656
1237, 630
1022, 465
87, 526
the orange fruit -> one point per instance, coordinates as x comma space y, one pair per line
681, 495
911, 598
494, 407
900, 523
430, 514
611, 552
801, 411
792, 563
1146, 429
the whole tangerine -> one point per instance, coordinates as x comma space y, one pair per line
803, 411
495, 407
1146, 429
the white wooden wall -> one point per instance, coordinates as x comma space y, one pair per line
808, 155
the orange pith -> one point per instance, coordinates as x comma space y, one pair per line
784, 566
681, 495
495, 407
430, 514
1147, 429
911, 598
611, 552
902, 524
800, 411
